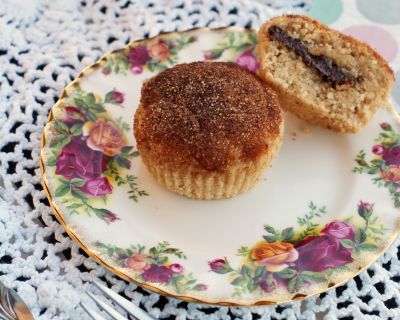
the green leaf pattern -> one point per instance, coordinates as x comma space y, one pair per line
156, 264
278, 261
385, 165
76, 192
153, 56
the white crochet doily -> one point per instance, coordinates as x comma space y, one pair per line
43, 46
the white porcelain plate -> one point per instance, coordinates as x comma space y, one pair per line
327, 208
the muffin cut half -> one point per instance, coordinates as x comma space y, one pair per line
207, 129
321, 75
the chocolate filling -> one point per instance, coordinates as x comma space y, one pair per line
325, 67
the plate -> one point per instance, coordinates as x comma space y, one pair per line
324, 211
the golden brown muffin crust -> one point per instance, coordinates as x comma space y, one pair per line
214, 112
302, 90
263, 33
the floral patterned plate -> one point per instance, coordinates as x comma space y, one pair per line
327, 208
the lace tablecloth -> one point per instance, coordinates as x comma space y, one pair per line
43, 46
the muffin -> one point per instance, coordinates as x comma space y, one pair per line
321, 75
207, 130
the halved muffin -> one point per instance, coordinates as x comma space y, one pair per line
321, 75
207, 129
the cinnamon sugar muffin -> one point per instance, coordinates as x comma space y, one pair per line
207, 130
321, 75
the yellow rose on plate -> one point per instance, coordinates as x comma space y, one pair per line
137, 262
274, 256
159, 49
104, 136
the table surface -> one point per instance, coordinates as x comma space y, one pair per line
43, 46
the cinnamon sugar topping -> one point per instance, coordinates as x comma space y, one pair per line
215, 113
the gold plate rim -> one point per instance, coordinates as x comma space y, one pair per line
65, 93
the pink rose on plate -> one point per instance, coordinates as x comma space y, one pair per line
176, 268
104, 136
248, 61
137, 70
72, 115
159, 274
78, 161
208, 55
378, 149
339, 230
392, 174
106, 215
320, 253
115, 97
220, 266
365, 209
97, 187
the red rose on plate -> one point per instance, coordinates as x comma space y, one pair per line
138, 56
77, 160
391, 155
365, 209
72, 115
320, 253
378, 149
115, 97
159, 274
